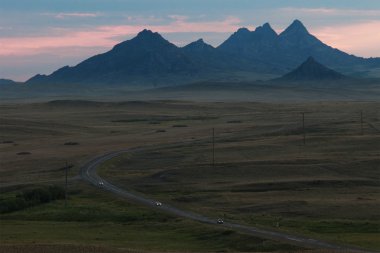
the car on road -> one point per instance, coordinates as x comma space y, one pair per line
158, 203
220, 221
101, 184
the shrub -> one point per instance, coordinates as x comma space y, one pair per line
32, 197
71, 143
23, 153
14, 204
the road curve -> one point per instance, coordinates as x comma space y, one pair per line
88, 173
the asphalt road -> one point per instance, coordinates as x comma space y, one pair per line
88, 173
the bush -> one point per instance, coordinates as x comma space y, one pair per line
24, 153
32, 197
39, 195
10, 205
71, 143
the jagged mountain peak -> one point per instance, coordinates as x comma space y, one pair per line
264, 30
145, 39
198, 45
149, 58
199, 42
297, 28
311, 61
242, 30
147, 34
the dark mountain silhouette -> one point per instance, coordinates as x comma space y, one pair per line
204, 55
254, 44
146, 55
149, 59
296, 44
199, 46
6, 81
288, 49
212, 60
311, 70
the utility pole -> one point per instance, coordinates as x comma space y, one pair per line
66, 169
303, 128
361, 122
213, 147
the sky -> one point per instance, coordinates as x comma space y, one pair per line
40, 36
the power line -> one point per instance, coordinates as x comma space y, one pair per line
213, 147
66, 169
303, 128
361, 122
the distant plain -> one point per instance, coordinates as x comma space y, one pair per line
264, 175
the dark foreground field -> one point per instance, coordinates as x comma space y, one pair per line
263, 174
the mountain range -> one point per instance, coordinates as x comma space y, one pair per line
150, 60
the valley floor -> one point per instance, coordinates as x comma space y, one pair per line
264, 175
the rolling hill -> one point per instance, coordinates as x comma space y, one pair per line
311, 70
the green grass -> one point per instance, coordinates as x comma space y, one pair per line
96, 218
327, 189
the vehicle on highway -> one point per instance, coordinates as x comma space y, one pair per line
220, 221
158, 203
101, 184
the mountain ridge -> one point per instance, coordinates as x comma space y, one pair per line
150, 59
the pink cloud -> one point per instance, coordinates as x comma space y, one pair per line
332, 12
63, 15
179, 24
104, 36
362, 39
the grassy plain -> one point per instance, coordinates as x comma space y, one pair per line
263, 175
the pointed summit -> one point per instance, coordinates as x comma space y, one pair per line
148, 34
311, 61
265, 27
242, 30
249, 42
199, 42
146, 39
198, 45
295, 28
237, 40
265, 30
311, 70
240, 34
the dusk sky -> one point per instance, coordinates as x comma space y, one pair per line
40, 36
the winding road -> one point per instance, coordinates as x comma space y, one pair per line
88, 173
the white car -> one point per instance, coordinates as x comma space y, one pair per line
158, 203
101, 184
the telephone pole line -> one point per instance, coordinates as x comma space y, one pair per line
361, 122
213, 147
66, 169
303, 128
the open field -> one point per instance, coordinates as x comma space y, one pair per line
263, 175
222, 89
